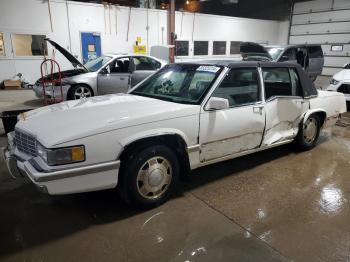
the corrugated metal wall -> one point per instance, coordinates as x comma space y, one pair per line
325, 22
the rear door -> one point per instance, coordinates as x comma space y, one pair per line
284, 103
143, 67
115, 77
316, 61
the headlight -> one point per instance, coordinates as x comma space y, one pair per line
334, 82
61, 156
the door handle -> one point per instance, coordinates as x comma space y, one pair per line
122, 78
258, 109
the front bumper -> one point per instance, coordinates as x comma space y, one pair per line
63, 181
51, 92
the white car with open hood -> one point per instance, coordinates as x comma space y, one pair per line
182, 117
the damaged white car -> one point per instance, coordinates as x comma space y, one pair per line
183, 117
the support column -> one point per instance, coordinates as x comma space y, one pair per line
171, 30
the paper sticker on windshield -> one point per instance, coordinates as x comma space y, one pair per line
211, 69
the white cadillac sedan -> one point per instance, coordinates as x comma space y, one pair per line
183, 117
340, 82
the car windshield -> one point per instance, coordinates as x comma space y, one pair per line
274, 52
95, 64
181, 83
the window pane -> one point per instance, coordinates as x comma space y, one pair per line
29, 45
315, 52
181, 48
235, 47
184, 83
120, 65
219, 48
143, 63
201, 47
291, 54
277, 82
297, 90
240, 86
2, 45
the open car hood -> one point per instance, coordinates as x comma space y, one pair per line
75, 62
253, 52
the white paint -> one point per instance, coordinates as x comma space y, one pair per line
33, 18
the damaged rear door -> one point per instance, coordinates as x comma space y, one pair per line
284, 105
240, 127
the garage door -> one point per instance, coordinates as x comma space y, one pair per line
325, 22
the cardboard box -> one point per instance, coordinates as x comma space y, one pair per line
12, 84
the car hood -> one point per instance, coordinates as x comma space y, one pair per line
343, 75
71, 120
75, 62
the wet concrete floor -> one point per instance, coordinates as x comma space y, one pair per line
275, 205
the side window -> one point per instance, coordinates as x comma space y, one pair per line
143, 63
315, 52
240, 87
120, 65
296, 85
291, 54
277, 82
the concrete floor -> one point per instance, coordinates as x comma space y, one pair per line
275, 205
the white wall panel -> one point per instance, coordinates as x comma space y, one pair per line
322, 22
336, 61
303, 7
327, 71
327, 50
324, 28
320, 39
323, 17
341, 4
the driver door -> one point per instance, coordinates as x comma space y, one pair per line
115, 77
238, 128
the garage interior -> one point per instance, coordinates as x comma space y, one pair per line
276, 205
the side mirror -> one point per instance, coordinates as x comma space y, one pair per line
103, 71
346, 66
284, 58
217, 103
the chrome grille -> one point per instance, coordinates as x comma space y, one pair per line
25, 143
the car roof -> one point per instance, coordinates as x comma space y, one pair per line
116, 55
235, 64
290, 45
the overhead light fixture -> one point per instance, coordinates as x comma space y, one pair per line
187, 2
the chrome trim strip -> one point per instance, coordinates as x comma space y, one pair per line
195, 148
68, 173
232, 156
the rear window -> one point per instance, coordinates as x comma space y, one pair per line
315, 52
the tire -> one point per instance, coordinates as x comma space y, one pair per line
79, 92
309, 132
148, 176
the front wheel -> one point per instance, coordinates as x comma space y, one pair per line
79, 92
149, 176
308, 133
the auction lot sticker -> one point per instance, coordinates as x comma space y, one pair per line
211, 69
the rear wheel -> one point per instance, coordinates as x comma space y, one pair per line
308, 133
79, 92
149, 176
